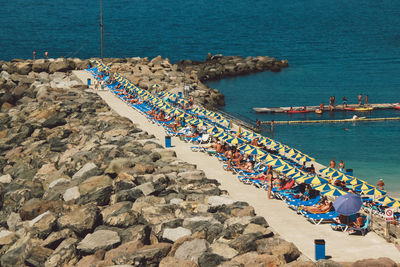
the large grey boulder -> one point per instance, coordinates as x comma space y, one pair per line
101, 239
173, 234
60, 65
81, 220
192, 250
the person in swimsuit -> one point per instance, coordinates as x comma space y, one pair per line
332, 164
360, 99
341, 166
344, 102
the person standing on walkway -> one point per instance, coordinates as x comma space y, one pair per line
269, 181
258, 123
34, 54
332, 164
344, 101
272, 128
333, 101
380, 184
360, 99
46, 55
366, 100
341, 166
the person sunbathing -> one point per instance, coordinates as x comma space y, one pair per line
254, 142
359, 222
262, 176
247, 166
235, 159
324, 207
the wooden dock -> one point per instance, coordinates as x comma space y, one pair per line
333, 121
326, 108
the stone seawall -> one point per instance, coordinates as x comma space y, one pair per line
156, 74
219, 66
82, 186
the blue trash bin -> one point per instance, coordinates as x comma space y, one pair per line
167, 141
319, 249
89, 82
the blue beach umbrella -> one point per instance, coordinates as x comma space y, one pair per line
334, 193
348, 204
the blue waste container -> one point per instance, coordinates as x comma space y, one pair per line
167, 141
89, 82
319, 249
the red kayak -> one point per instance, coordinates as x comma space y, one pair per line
397, 107
297, 111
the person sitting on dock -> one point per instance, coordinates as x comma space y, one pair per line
344, 101
304, 108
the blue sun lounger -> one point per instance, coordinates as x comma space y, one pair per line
321, 217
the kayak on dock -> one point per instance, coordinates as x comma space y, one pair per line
363, 109
318, 111
397, 106
297, 111
358, 109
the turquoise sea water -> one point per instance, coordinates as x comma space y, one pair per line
333, 47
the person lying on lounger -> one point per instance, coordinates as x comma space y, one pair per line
324, 207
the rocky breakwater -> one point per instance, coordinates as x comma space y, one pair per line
159, 74
219, 66
81, 186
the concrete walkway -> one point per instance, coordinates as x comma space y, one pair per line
292, 227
